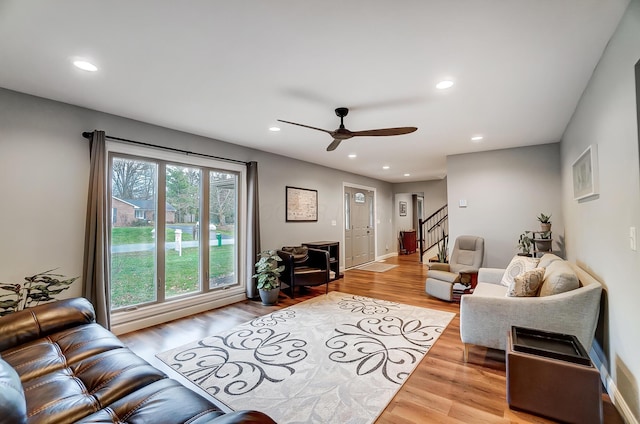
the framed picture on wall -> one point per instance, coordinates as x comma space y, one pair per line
301, 204
585, 174
403, 208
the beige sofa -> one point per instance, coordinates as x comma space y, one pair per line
488, 314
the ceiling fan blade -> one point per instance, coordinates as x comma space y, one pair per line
305, 126
334, 144
384, 132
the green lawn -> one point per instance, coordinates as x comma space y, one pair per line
132, 235
133, 273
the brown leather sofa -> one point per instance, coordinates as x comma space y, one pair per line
58, 366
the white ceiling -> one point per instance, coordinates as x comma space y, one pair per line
229, 69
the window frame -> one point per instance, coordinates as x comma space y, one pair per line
207, 297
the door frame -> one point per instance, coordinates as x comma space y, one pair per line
343, 253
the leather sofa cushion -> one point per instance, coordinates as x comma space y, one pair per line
300, 253
13, 406
73, 373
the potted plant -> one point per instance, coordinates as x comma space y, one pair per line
524, 244
268, 274
40, 288
545, 222
443, 248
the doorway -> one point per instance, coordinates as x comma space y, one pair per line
359, 226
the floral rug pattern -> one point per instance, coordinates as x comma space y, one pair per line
334, 358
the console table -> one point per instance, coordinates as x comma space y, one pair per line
333, 247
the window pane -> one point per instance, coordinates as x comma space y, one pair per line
182, 216
223, 211
133, 245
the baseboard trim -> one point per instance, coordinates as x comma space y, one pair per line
387, 256
612, 390
140, 320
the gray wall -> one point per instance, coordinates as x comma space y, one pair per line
505, 191
597, 231
44, 169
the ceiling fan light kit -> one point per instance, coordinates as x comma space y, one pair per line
342, 133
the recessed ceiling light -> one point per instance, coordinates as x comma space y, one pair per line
386, 167
477, 138
85, 66
407, 175
274, 129
353, 155
444, 84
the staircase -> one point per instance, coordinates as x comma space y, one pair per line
430, 231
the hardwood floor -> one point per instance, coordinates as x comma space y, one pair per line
442, 389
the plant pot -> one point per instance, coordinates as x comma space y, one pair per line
269, 297
543, 245
545, 227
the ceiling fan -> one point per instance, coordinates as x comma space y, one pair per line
343, 134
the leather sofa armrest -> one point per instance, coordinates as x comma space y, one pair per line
286, 276
32, 323
318, 258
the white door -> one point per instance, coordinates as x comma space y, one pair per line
359, 226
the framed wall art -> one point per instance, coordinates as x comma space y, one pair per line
585, 174
403, 208
301, 204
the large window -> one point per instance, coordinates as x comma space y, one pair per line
175, 227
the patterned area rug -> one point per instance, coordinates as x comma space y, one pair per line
376, 267
337, 358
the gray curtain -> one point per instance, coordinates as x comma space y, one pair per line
253, 227
96, 249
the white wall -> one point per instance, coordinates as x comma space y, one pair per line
505, 191
44, 169
597, 231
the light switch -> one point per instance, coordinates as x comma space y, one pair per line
462, 203
632, 238
333, 222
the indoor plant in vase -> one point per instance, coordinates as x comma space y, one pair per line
267, 275
524, 244
545, 222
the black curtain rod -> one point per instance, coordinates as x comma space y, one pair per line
88, 134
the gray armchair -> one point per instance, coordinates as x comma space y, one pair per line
466, 259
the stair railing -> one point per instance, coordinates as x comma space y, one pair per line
430, 230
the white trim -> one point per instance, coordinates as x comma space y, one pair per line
387, 256
610, 387
147, 316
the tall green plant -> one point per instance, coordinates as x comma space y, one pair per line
268, 271
443, 246
39, 288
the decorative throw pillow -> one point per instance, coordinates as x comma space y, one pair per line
559, 277
527, 283
547, 258
517, 266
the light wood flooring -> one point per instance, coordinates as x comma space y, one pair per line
442, 389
